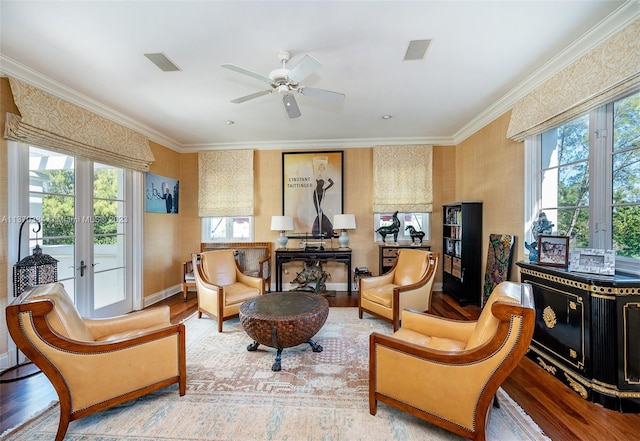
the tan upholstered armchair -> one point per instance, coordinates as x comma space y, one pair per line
408, 285
95, 364
446, 371
221, 286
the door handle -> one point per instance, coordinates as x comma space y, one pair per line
82, 267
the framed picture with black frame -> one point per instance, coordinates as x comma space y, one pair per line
553, 250
312, 191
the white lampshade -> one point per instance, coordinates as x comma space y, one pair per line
344, 222
281, 223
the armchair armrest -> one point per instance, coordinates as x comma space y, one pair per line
372, 282
435, 326
265, 267
255, 282
139, 320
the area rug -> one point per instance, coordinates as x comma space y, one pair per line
232, 394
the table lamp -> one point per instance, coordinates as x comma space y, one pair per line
344, 222
282, 224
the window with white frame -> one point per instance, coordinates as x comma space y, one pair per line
586, 179
419, 222
227, 229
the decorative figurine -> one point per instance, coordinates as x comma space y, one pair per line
312, 278
415, 234
394, 229
541, 226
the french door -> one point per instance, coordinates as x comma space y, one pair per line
85, 211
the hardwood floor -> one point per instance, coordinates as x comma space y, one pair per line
558, 410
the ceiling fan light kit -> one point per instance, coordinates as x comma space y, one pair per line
286, 81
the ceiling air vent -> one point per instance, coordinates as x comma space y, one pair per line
163, 62
416, 49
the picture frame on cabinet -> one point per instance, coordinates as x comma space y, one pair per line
553, 250
593, 261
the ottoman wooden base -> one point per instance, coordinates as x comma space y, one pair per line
284, 320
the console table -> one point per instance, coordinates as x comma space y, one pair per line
326, 255
587, 333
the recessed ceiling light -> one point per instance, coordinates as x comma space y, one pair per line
386, 117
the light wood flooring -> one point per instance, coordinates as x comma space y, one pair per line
558, 410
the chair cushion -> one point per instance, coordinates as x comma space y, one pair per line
131, 333
441, 344
382, 295
189, 277
238, 293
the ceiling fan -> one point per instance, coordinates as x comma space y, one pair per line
286, 81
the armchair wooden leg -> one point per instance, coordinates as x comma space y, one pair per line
359, 313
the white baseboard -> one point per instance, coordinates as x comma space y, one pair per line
161, 295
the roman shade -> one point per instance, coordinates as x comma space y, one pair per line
402, 179
225, 183
50, 122
608, 71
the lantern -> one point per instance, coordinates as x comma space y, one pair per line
33, 270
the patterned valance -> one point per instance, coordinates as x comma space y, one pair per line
225, 183
402, 179
608, 71
50, 122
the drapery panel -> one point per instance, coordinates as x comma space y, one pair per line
402, 179
50, 122
609, 70
225, 183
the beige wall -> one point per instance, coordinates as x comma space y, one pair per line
490, 168
357, 200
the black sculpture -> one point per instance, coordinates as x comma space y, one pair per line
415, 234
394, 229
312, 278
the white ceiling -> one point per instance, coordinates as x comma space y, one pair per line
483, 56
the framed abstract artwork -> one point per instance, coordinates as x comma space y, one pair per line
312, 190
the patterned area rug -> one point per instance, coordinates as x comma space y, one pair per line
232, 394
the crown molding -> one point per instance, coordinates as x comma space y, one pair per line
12, 68
618, 19
314, 144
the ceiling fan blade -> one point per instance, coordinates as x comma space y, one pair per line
244, 71
242, 99
303, 69
321, 93
291, 106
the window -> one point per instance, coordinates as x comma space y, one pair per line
227, 229
587, 180
419, 221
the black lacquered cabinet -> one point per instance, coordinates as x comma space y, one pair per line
587, 333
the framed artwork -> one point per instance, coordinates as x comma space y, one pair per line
161, 194
594, 261
553, 250
499, 259
312, 191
